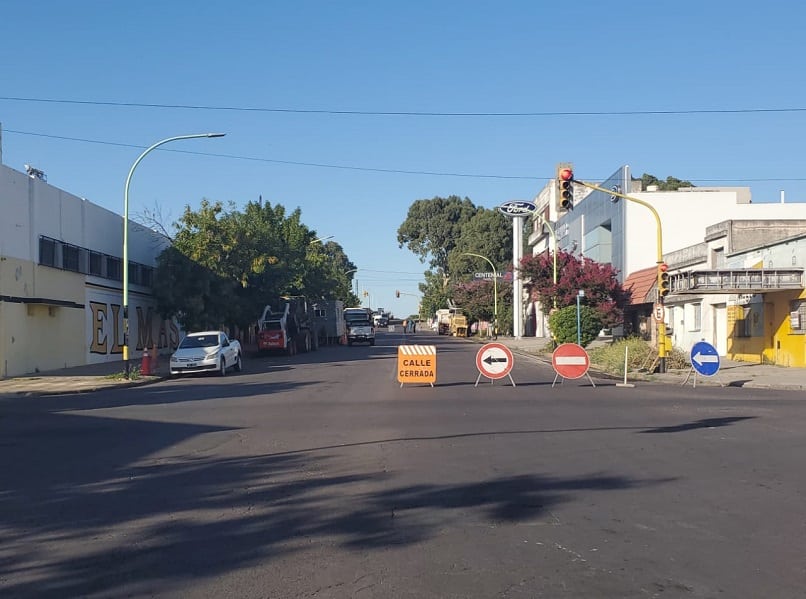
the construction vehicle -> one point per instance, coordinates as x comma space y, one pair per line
458, 324
287, 326
451, 321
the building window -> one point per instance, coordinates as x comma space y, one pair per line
96, 264
146, 276
718, 258
113, 269
70, 258
797, 317
47, 251
697, 317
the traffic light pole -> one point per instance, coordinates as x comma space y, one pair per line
662, 322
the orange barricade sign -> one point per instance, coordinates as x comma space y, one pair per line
416, 364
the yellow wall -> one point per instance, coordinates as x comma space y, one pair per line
38, 337
778, 345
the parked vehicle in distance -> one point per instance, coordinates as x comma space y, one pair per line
360, 331
351, 314
287, 326
328, 321
380, 320
208, 351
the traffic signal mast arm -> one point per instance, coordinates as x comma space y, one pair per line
662, 324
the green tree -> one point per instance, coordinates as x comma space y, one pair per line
226, 265
671, 183
563, 324
489, 234
432, 228
477, 301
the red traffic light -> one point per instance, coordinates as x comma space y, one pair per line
663, 267
566, 174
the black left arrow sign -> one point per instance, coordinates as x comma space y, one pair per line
491, 360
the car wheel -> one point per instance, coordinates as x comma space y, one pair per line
238, 363
223, 368
350, 343
372, 341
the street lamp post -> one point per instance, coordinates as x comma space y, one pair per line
126, 238
580, 295
495, 290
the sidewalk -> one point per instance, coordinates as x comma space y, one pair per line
81, 379
731, 373
92, 377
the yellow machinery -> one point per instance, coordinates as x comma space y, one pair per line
458, 326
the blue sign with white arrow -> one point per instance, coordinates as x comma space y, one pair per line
704, 358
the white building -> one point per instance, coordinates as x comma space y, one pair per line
624, 233
61, 280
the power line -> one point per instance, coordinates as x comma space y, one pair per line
288, 162
366, 168
557, 113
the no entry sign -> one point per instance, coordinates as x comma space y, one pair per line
570, 361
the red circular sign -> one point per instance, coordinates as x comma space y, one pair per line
570, 361
494, 360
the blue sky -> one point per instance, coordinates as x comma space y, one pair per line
416, 56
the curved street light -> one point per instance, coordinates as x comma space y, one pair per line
495, 290
126, 237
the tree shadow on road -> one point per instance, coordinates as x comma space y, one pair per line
112, 506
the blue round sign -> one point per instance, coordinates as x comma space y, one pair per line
704, 358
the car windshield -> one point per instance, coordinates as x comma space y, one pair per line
192, 341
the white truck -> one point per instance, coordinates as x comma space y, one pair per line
207, 351
360, 331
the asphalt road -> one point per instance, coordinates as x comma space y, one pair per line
319, 476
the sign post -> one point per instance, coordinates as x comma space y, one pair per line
494, 360
704, 361
571, 361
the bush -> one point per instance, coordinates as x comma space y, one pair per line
640, 354
563, 324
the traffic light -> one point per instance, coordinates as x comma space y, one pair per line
565, 187
663, 281
397, 294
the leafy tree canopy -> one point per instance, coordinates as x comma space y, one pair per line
226, 265
599, 281
432, 228
671, 183
488, 233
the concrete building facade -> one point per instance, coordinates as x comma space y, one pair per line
607, 229
61, 280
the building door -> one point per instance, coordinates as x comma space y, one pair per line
721, 329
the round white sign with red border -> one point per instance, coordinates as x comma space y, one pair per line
570, 361
494, 360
